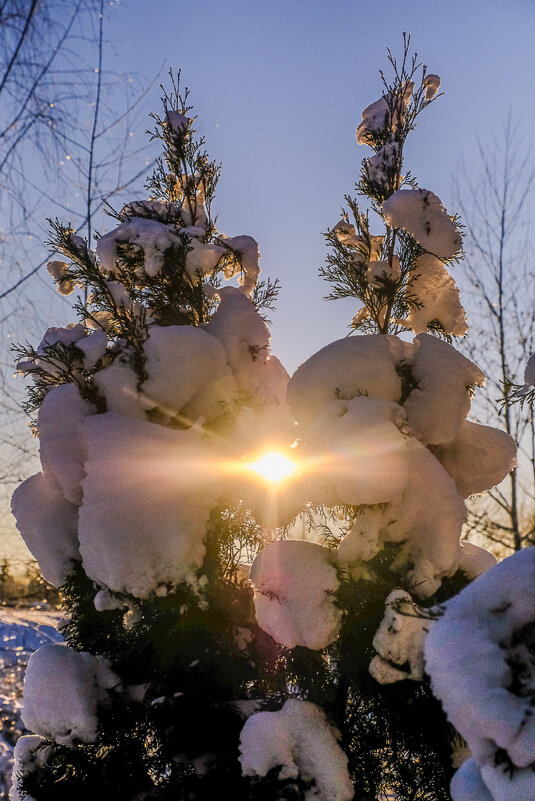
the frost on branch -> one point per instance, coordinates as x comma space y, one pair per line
421, 214
294, 584
300, 742
480, 658
62, 690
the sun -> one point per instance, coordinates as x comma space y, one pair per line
273, 466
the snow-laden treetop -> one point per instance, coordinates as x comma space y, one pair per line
399, 272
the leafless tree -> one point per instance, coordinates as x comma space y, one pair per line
66, 124
493, 200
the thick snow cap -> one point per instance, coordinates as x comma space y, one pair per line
475, 560
429, 532
118, 384
245, 338
478, 458
62, 688
400, 640
153, 238
423, 216
439, 295
48, 525
148, 493
356, 452
62, 445
186, 365
30, 755
299, 740
441, 399
345, 369
468, 785
479, 657
294, 583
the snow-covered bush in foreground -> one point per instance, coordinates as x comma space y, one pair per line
154, 412
480, 655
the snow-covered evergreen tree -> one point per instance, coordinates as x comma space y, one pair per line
186, 675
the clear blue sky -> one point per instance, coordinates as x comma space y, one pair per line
279, 88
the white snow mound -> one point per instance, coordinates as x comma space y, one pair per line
422, 215
429, 533
357, 453
345, 369
479, 655
62, 446
48, 525
62, 688
299, 740
294, 583
434, 287
148, 493
186, 365
400, 640
441, 400
478, 458
150, 237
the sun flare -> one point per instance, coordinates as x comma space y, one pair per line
273, 466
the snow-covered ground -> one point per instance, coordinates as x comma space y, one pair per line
22, 631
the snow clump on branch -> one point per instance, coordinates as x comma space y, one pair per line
421, 214
399, 640
65, 710
490, 625
300, 742
385, 113
294, 583
376, 444
439, 295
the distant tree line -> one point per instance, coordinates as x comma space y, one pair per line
21, 587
